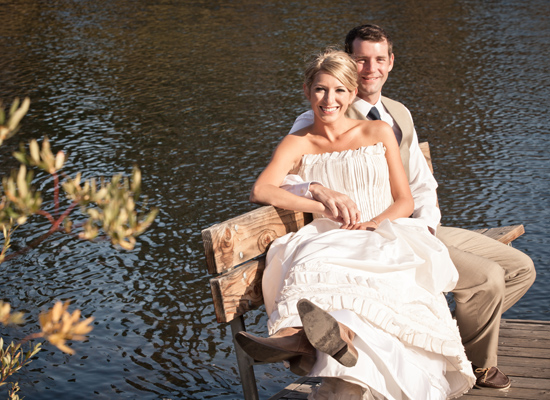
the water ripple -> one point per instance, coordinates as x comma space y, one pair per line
198, 94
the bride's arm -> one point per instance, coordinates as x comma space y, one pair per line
266, 189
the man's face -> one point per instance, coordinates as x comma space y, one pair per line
373, 66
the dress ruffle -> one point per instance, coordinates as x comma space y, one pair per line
419, 323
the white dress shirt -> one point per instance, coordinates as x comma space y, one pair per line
421, 181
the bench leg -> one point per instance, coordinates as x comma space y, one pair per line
245, 363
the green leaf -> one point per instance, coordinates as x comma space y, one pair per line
21, 157
14, 105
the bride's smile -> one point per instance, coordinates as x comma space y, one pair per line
329, 110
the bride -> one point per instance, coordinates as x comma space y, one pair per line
355, 297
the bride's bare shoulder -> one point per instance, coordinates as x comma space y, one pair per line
376, 130
301, 141
292, 148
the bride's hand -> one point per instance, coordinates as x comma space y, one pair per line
338, 206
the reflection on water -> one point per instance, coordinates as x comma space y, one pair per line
198, 94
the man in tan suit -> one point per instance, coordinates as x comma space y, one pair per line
492, 276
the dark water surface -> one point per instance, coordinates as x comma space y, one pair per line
198, 93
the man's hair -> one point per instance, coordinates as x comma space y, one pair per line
368, 32
335, 63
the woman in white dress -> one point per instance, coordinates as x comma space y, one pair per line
356, 297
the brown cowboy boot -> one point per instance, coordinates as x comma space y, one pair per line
326, 334
288, 344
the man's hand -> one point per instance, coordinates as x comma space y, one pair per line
363, 226
338, 206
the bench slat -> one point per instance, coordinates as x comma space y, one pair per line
504, 234
247, 236
238, 291
425, 148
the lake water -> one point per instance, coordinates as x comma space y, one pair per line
198, 93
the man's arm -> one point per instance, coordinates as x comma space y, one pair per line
296, 185
423, 187
303, 120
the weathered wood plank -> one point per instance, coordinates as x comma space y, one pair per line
533, 333
522, 388
238, 291
525, 352
525, 367
297, 390
510, 394
531, 383
536, 333
524, 343
525, 324
425, 148
242, 238
505, 234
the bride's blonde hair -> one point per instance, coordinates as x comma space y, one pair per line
336, 63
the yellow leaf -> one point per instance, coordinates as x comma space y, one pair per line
59, 160
22, 181
84, 327
35, 151
65, 349
18, 115
57, 311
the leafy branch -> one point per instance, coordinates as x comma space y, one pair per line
109, 206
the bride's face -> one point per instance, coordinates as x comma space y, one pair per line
328, 96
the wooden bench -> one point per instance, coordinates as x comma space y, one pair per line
235, 254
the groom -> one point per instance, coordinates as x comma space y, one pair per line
492, 276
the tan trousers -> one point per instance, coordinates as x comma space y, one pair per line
492, 278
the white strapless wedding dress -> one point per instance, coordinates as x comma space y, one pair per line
386, 285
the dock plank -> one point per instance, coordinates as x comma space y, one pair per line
524, 354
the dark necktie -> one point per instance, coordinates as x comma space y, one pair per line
373, 114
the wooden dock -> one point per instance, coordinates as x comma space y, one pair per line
524, 355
